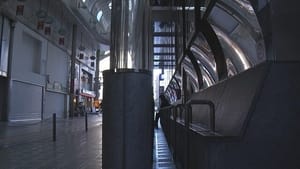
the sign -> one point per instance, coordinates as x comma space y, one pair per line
20, 10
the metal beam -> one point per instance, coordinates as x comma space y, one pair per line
164, 34
164, 45
164, 54
209, 8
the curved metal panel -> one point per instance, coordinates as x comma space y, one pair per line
129, 34
191, 74
239, 33
204, 56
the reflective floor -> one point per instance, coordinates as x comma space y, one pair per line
162, 156
30, 145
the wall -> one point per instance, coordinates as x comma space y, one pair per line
35, 61
27, 74
57, 75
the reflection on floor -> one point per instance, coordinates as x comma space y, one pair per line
162, 158
25, 145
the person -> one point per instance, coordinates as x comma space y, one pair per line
163, 103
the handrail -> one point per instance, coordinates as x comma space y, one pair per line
212, 111
167, 107
177, 106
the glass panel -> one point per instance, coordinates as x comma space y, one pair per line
163, 40
191, 73
164, 49
164, 26
129, 30
164, 57
205, 57
240, 36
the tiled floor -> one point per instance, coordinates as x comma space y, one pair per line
162, 156
30, 145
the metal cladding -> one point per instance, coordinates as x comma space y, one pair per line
129, 34
127, 119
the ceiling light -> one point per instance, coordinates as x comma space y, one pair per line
83, 1
110, 5
99, 15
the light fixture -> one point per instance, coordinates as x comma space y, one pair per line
62, 31
92, 57
81, 47
49, 20
99, 15
20, 8
81, 55
41, 15
47, 30
110, 5
61, 40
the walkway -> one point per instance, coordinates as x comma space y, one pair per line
162, 158
30, 145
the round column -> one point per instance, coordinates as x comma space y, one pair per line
127, 119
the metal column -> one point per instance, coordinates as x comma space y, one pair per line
127, 90
73, 59
127, 119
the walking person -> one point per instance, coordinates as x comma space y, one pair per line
163, 103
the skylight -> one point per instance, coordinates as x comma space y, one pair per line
99, 15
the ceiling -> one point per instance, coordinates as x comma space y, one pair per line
94, 15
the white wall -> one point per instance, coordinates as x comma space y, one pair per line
57, 65
54, 103
57, 70
26, 102
33, 59
27, 47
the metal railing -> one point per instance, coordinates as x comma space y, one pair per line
211, 112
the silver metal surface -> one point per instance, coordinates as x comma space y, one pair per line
128, 36
127, 120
